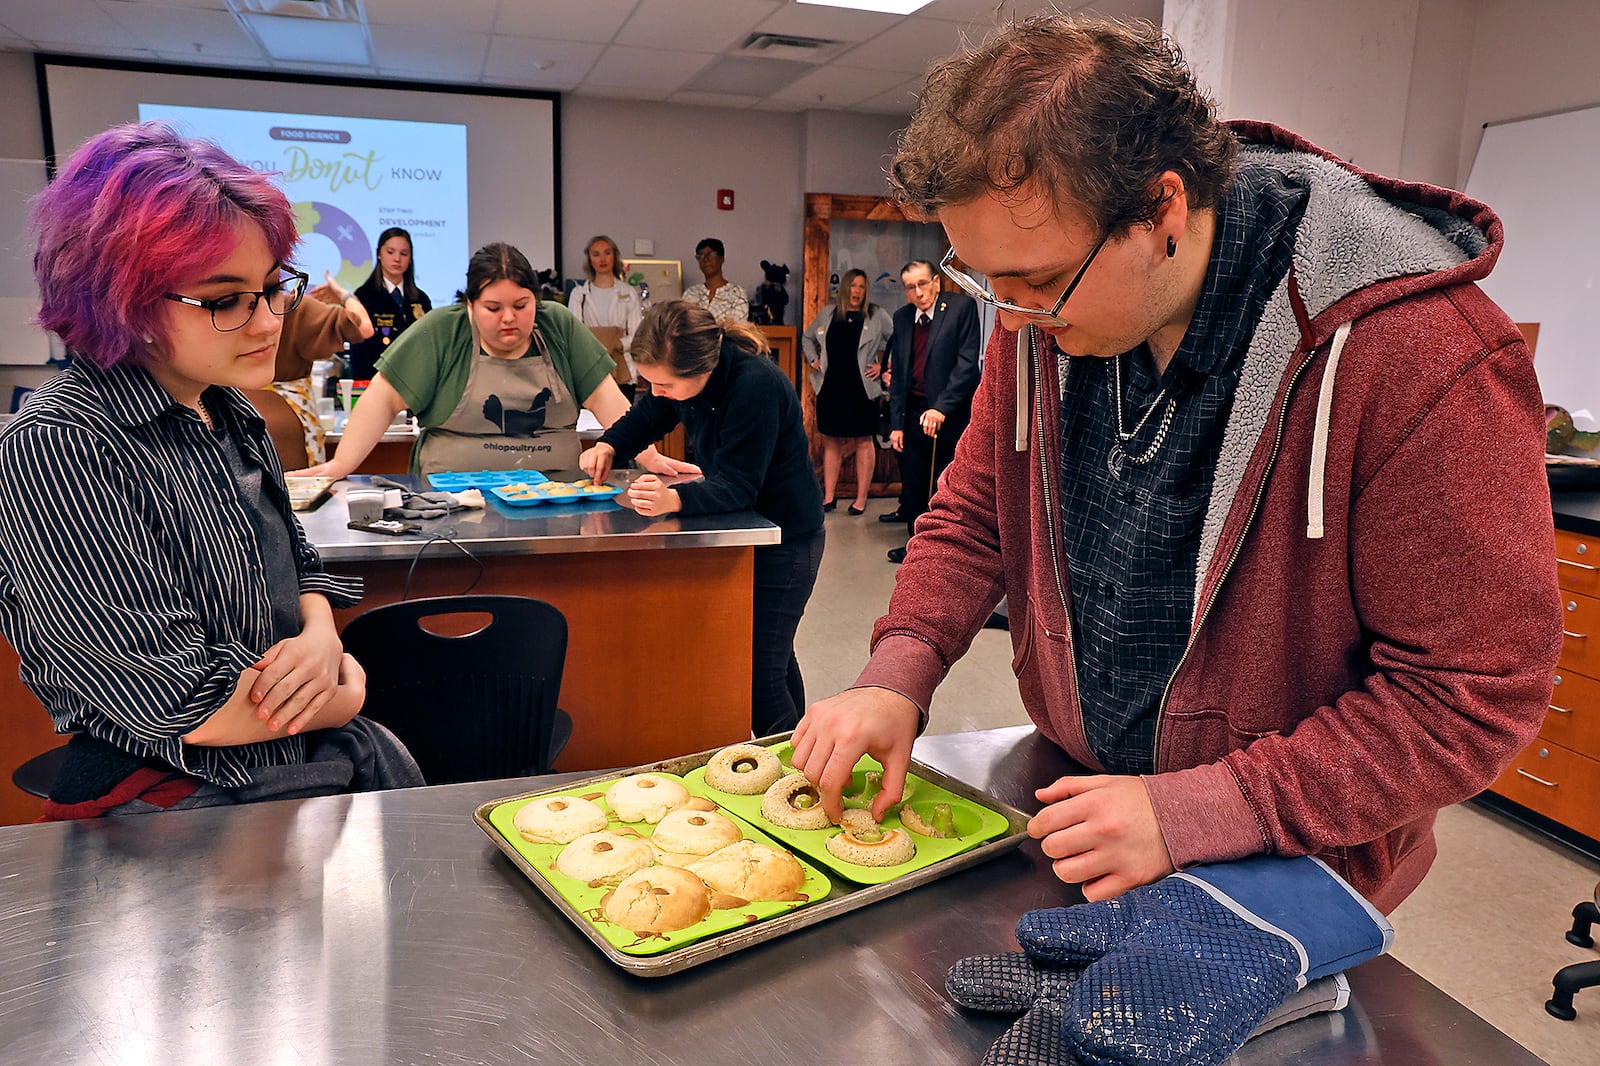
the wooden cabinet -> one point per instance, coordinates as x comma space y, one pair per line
1558, 775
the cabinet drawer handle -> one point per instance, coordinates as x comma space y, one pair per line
1580, 566
1561, 710
1536, 780
1574, 636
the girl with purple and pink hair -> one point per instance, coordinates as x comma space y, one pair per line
163, 600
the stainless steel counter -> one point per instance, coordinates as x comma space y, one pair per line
385, 928
499, 529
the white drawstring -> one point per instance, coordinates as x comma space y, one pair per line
1319, 438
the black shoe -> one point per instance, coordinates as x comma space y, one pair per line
830, 505
857, 511
892, 516
897, 555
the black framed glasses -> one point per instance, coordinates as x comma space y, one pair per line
232, 311
979, 291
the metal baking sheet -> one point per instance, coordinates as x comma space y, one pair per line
845, 896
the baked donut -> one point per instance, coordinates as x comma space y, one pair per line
694, 833
863, 842
645, 797
751, 871
658, 900
743, 770
558, 819
605, 857
794, 803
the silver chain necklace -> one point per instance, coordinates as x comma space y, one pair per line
1119, 454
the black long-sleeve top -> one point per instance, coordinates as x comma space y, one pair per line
748, 438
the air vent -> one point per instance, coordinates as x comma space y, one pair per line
789, 46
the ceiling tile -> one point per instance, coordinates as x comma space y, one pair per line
748, 76
909, 47
700, 26
829, 23
517, 59
645, 68
713, 99
564, 20
198, 34
75, 24
836, 86
439, 54
772, 103
901, 100
474, 16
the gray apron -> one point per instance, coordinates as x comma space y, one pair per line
516, 414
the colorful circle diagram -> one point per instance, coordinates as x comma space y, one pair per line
349, 239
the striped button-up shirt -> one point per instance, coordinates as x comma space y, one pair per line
131, 582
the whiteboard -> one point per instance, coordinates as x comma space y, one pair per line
1538, 175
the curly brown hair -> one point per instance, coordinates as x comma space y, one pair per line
1088, 110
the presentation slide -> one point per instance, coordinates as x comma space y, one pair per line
458, 167
350, 179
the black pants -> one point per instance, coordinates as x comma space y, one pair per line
923, 459
785, 575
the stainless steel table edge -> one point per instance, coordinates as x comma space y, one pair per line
844, 896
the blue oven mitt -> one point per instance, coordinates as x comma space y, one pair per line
1014, 983
1184, 970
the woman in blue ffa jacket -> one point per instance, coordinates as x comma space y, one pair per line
743, 418
392, 300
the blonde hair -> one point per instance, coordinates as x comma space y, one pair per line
844, 292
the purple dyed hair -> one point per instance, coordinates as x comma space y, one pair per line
134, 212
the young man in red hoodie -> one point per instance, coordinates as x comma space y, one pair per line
1255, 462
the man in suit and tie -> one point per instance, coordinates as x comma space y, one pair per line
933, 357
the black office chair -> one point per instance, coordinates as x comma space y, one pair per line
1569, 979
471, 708
37, 774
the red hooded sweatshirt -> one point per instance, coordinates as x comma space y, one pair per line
1376, 615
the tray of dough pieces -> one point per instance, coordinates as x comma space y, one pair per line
631, 892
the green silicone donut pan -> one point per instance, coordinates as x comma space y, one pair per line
974, 823
985, 826
586, 898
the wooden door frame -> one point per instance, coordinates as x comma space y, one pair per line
821, 209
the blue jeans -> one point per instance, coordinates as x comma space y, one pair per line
784, 577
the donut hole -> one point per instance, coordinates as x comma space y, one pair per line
744, 766
558, 805
646, 783
602, 846
803, 799
661, 891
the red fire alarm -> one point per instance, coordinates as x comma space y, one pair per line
724, 199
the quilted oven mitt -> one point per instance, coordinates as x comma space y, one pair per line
1181, 971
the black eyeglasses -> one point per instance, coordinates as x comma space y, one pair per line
234, 310
979, 291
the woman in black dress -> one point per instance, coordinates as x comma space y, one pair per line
844, 347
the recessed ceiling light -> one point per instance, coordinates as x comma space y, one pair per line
888, 7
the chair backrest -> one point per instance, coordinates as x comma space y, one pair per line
471, 708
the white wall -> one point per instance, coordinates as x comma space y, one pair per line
650, 170
646, 170
1526, 60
